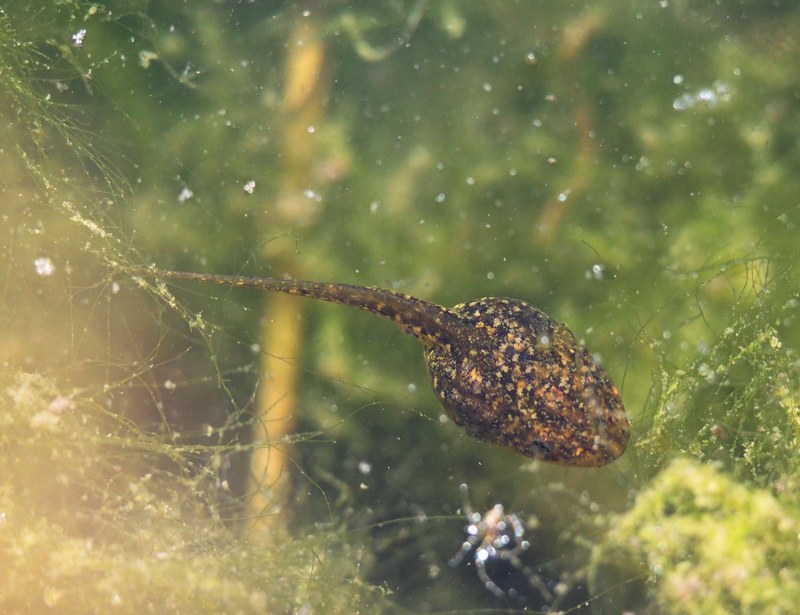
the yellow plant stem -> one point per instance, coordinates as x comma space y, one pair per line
304, 100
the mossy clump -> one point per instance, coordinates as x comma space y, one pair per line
697, 541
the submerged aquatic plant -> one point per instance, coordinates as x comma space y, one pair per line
697, 541
664, 233
94, 517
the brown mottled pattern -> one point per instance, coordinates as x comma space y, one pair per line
504, 370
520, 379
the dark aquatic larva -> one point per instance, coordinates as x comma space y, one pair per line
504, 370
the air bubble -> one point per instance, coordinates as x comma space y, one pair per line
250, 186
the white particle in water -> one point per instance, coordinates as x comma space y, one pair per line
440, 197
597, 271
77, 38
44, 266
364, 467
60, 404
169, 385
146, 58
643, 163
707, 372
411, 387
250, 186
311, 130
185, 195
708, 96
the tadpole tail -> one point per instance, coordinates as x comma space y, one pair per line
433, 324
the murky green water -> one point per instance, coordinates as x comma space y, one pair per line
631, 170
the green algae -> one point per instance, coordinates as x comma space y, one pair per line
697, 541
664, 134
89, 523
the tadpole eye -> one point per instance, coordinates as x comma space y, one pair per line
541, 446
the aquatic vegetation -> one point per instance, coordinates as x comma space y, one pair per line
93, 519
697, 541
630, 170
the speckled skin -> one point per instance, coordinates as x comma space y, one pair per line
521, 380
505, 371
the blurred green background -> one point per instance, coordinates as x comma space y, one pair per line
633, 169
